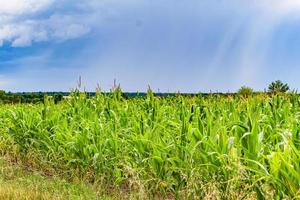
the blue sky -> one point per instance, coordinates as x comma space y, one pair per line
171, 45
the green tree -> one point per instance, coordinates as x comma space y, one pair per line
58, 97
2, 93
245, 91
278, 87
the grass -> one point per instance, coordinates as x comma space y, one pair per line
18, 183
156, 148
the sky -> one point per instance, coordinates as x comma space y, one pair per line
171, 45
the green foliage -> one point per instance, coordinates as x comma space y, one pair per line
181, 147
2, 93
58, 97
29, 97
245, 91
278, 87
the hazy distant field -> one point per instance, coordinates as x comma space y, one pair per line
154, 147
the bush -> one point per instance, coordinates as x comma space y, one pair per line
245, 91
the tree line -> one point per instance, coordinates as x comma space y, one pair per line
29, 97
38, 97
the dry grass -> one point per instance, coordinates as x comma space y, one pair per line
20, 184
25, 193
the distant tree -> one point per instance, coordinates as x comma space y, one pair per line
2, 92
278, 87
58, 97
245, 91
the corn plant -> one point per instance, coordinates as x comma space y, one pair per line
185, 147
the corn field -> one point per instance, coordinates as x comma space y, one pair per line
180, 147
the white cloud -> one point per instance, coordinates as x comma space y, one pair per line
17, 7
280, 7
65, 27
20, 25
